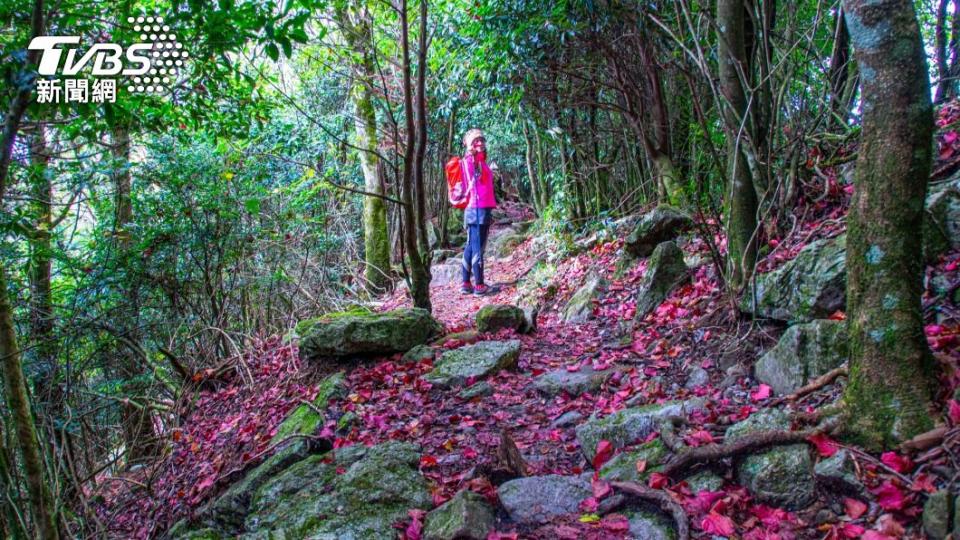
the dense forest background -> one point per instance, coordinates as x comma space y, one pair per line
294, 166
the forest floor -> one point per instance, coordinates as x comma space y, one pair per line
230, 426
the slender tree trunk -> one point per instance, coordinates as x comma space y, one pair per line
138, 433
419, 274
420, 106
839, 71
741, 196
534, 188
15, 386
892, 374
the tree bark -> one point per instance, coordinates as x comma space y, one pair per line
419, 275
741, 207
892, 374
376, 241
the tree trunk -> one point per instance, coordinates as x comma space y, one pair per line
741, 196
138, 433
839, 71
419, 275
376, 241
892, 374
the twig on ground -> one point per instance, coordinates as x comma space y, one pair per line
661, 499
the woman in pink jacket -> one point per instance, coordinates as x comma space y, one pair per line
477, 215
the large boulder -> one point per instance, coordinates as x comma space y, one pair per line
659, 225
305, 420
311, 500
665, 271
629, 426
579, 308
467, 516
573, 383
358, 332
475, 361
804, 352
941, 221
780, 477
539, 499
811, 286
493, 317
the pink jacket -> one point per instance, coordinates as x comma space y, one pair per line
481, 196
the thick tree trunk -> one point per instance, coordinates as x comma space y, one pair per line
741, 204
892, 375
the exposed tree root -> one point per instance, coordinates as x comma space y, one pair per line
690, 457
819, 382
661, 499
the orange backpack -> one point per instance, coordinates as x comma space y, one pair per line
457, 193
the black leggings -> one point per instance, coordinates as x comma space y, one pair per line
473, 253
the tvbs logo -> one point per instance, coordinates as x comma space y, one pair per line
150, 65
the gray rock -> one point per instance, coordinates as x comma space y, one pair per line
697, 376
530, 313
479, 360
659, 225
310, 500
936, 514
445, 274
493, 317
579, 308
665, 271
466, 516
645, 525
418, 354
480, 389
941, 221
780, 477
704, 481
441, 256
811, 286
623, 466
539, 499
572, 382
804, 352
360, 332
567, 419
629, 426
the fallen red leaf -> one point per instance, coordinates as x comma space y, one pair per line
825, 445
889, 496
763, 392
854, 508
896, 462
714, 523
603, 454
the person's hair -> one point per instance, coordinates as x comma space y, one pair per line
470, 136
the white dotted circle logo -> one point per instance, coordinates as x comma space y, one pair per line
166, 56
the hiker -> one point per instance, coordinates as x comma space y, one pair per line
477, 215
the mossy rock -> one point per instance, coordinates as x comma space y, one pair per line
540, 499
941, 221
623, 466
574, 383
629, 426
476, 361
810, 286
804, 352
665, 271
937, 513
304, 419
182, 530
782, 476
659, 225
467, 516
650, 525
579, 308
418, 354
493, 317
340, 335
310, 500
480, 389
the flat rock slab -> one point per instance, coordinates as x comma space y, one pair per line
629, 426
475, 361
573, 383
359, 332
539, 499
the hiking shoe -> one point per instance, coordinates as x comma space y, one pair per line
466, 288
481, 290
